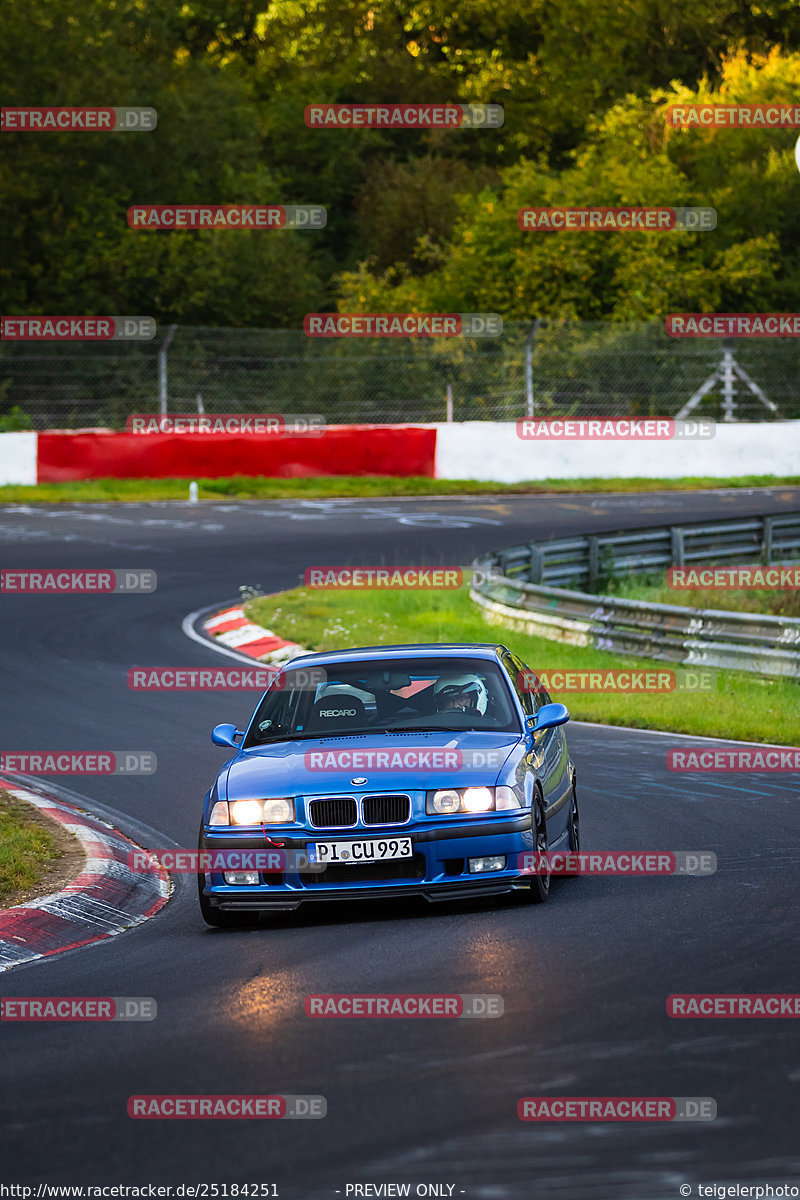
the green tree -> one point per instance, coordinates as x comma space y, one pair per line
749, 262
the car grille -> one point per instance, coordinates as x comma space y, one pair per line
330, 814
398, 868
386, 810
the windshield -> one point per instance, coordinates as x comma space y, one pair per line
449, 694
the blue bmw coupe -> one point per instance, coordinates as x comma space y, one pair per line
386, 771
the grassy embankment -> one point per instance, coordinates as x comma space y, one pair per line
241, 487
740, 706
781, 603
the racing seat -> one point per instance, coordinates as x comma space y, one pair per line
336, 712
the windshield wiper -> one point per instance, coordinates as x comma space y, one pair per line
303, 736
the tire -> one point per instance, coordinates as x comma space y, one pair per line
573, 829
539, 890
573, 826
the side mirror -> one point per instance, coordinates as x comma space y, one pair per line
548, 716
225, 735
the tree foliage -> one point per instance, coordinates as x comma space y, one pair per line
416, 219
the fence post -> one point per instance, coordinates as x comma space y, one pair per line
728, 385
162, 370
529, 366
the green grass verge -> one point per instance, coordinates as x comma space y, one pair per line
741, 706
762, 600
322, 487
26, 850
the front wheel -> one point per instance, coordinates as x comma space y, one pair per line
573, 827
539, 889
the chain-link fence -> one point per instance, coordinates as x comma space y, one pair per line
563, 369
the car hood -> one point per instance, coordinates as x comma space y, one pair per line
304, 767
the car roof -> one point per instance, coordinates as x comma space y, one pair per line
487, 650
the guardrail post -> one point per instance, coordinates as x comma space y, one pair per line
594, 558
536, 569
678, 549
766, 541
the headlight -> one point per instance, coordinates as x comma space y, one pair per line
478, 799
246, 812
275, 811
443, 802
447, 801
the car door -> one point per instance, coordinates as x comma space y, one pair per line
550, 757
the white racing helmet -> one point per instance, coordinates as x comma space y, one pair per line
449, 690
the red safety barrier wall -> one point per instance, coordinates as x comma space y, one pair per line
342, 450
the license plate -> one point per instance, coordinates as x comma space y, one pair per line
374, 850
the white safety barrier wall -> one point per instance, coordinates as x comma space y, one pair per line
18, 458
491, 450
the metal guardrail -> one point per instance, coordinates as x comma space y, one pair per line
585, 561
515, 587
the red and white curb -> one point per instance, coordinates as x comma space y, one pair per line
105, 899
231, 628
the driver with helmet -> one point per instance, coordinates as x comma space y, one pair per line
464, 693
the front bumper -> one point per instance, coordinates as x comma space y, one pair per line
439, 870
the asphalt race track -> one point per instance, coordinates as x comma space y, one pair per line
584, 978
